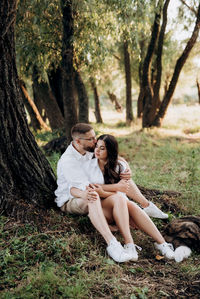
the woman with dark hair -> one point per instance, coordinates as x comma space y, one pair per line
106, 168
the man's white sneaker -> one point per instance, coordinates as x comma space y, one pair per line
130, 248
155, 212
166, 249
116, 251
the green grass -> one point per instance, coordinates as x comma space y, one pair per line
165, 164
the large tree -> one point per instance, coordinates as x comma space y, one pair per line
25, 175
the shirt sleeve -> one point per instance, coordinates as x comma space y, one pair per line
123, 166
73, 174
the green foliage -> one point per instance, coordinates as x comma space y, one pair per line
38, 36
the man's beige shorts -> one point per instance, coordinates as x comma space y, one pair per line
75, 206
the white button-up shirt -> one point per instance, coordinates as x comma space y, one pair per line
70, 174
76, 170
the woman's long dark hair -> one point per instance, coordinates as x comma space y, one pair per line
111, 171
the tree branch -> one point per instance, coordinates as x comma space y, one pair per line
190, 8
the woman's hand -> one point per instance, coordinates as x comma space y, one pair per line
102, 193
98, 188
126, 175
123, 186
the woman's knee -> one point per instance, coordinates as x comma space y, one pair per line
120, 199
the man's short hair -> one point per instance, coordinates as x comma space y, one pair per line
80, 128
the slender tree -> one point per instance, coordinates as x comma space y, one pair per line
96, 101
67, 67
198, 88
25, 175
127, 67
36, 119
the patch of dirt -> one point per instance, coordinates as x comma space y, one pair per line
167, 200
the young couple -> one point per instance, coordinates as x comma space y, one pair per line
93, 180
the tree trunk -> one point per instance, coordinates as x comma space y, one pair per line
198, 89
26, 176
67, 67
140, 101
179, 65
156, 88
127, 67
96, 102
55, 81
148, 116
36, 119
83, 115
42, 93
114, 100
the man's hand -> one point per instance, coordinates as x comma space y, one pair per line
126, 175
92, 195
123, 186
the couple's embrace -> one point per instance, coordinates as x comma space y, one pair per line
93, 180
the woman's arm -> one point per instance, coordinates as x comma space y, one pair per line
100, 190
121, 186
126, 174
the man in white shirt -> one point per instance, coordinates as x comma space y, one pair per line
73, 197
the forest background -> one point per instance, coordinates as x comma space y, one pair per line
131, 68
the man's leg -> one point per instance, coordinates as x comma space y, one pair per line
98, 220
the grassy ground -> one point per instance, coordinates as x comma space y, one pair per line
65, 258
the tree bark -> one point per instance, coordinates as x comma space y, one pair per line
198, 89
36, 119
96, 102
26, 176
67, 67
113, 99
55, 81
127, 67
83, 103
179, 65
156, 88
148, 116
140, 101
42, 93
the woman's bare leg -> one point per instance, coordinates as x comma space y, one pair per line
115, 208
143, 222
135, 194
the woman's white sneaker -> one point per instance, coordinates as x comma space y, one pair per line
116, 251
155, 212
130, 248
166, 249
